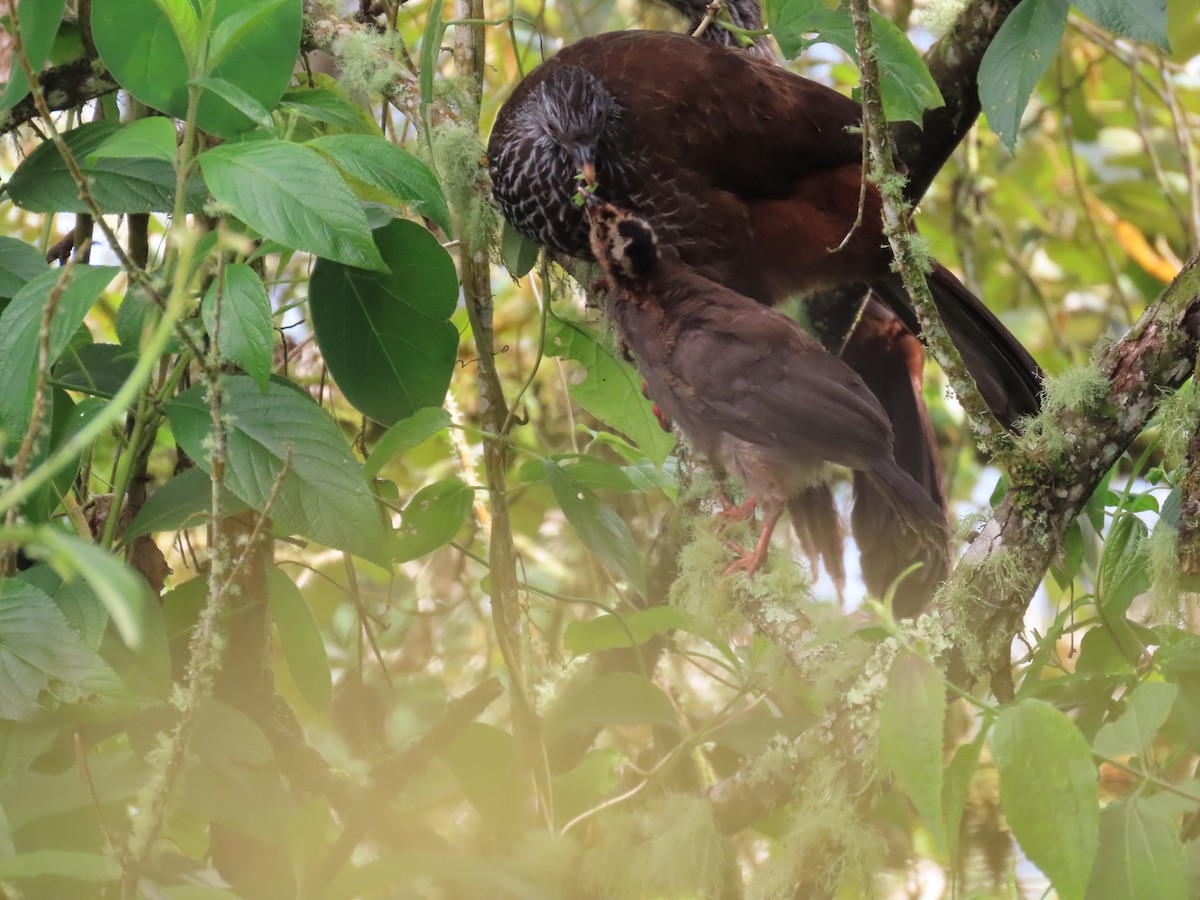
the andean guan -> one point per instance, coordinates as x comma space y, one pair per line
748, 387
886, 355
747, 173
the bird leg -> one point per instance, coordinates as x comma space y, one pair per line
749, 562
731, 512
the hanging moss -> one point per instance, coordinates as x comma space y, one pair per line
668, 849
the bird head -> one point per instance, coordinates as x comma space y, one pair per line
622, 243
572, 110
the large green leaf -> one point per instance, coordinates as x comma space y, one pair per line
1049, 792
618, 698
151, 138
608, 632
42, 183
19, 327
393, 170
612, 391
905, 83
484, 760
1146, 710
301, 641
1140, 853
322, 496
1124, 570
254, 44
387, 337
39, 25
432, 518
20, 263
183, 501
258, 181
43, 659
246, 336
911, 716
601, 530
1015, 61
404, 435
59, 864
1138, 20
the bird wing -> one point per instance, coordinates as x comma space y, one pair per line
753, 373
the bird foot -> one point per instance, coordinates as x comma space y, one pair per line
736, 513
748, 561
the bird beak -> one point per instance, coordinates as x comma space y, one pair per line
589, 174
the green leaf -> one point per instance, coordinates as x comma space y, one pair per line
911, 716
750, 736
19, 327
1124, 570
39, 25
322, 496
588, 470
125, 595
148, 59
21, 743
587, 784
601, 530
323, 105
613, 389
907, 87
1146, 710
956, 783
246, 336
66, 418
1138, 20
618, 698
238, 99
59, 864
78, 603
792, 19
238, 28
404, 435
1015, 61
484, 760
184, 501
393, 170
96, 369
136, 307
42, 183
181, 16
150, 138
1140, 853
387, 337
300, 638
607, 632
518, 253
42, 659
37, 796
432, 518
1049, 792
20, 263
257, 181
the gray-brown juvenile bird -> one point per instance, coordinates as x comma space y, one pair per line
749, 389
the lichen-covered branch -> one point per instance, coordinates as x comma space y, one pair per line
1064, 462
64, 87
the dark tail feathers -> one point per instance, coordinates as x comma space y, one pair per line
1008, 377
818, 526
897, 524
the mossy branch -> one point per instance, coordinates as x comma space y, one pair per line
910, 258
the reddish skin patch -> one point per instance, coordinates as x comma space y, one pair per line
748, 561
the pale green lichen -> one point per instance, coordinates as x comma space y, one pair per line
368, 61
547, 859
827, 843
1078, 391
939, 16
669, 849
1165, 577
1176, 421
457, 155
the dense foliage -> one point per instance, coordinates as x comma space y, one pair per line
343, 557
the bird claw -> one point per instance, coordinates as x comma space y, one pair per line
736, 513
748, 561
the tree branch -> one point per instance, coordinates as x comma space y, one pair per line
64, 87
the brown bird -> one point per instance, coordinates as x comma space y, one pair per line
747, 386
748, 173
